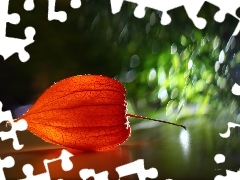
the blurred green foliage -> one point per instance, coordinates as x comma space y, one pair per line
186, 71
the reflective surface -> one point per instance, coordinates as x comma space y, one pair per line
174, 152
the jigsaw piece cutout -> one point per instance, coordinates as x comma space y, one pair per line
191, 7
232, 174
87, 173
225, 8
9, 46
53, 15
181, 29
75, 4
236, 89
227, 133
20, 125
139, 11
60, 15
238, 12
28, 171
66, 166
229, 21
137, 167
29, 5
6, 115
7, 162
164, 7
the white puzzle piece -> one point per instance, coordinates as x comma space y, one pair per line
66, 166
20, 125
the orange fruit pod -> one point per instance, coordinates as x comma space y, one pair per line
85, 112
